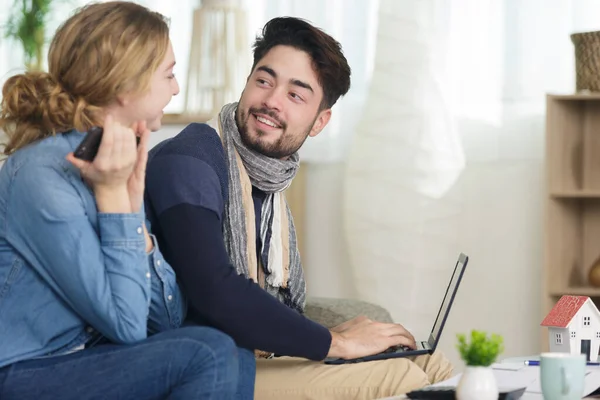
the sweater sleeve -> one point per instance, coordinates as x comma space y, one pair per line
101, 273
185, 194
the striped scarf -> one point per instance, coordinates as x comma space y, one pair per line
277, 268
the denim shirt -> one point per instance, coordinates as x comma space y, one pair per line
70, 275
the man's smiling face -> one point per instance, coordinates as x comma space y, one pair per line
279, 107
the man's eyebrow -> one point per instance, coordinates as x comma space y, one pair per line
304, 85
296, 82
268, 70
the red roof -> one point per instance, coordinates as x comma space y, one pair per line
563, 312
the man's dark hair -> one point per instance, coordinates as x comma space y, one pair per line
325, 52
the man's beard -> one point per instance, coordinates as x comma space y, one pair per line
284, 146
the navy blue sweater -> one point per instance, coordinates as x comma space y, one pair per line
186, 192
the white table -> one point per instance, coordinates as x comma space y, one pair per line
526, 396
511, 360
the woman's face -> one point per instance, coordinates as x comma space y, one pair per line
163, 86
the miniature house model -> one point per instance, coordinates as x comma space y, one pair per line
574, 327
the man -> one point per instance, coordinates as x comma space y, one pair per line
215, 202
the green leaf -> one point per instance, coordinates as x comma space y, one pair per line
482, 350
26, 25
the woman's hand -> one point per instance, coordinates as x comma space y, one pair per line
108, 174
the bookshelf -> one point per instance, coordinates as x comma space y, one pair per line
572, 209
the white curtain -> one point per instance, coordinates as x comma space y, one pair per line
218, 58
406, 155
448, 157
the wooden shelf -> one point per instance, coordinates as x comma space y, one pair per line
572, 209
184, 119
576, 194
577, 291
575, 96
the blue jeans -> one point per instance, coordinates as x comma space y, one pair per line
186, 363
247, 375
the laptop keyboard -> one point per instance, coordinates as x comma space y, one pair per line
395, 349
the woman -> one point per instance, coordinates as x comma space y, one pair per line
82, 282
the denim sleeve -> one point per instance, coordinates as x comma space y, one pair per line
167, 304
101, 271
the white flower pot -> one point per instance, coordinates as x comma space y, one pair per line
477, 383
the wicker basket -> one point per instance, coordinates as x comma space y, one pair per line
587, 60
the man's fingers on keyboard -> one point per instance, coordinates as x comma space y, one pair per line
401, 340
395, 340
405, 332
395, 329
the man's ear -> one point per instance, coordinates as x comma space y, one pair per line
320, 123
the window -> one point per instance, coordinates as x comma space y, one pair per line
597, 335
559, 338
586, 321
574, 334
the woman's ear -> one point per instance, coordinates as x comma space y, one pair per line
123, 100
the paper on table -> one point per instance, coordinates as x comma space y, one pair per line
452, 382
532, 396
512, 376
508, 376
591, 383
509, 366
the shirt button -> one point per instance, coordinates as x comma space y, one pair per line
169, 297
139, 230
89, 329
158, 263
148, 275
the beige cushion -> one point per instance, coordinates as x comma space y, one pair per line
330, 312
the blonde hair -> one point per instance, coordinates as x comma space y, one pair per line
102, 51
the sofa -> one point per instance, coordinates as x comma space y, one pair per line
330, 312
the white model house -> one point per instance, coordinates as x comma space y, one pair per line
574, 327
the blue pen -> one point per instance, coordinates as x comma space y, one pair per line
535, 362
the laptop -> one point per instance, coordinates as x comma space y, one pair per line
424, 346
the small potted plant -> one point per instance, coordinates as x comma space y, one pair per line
478, 381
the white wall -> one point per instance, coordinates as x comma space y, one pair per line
500, 229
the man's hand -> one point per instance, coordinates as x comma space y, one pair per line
362, 337
348, 324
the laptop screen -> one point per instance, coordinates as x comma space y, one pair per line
440, 320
